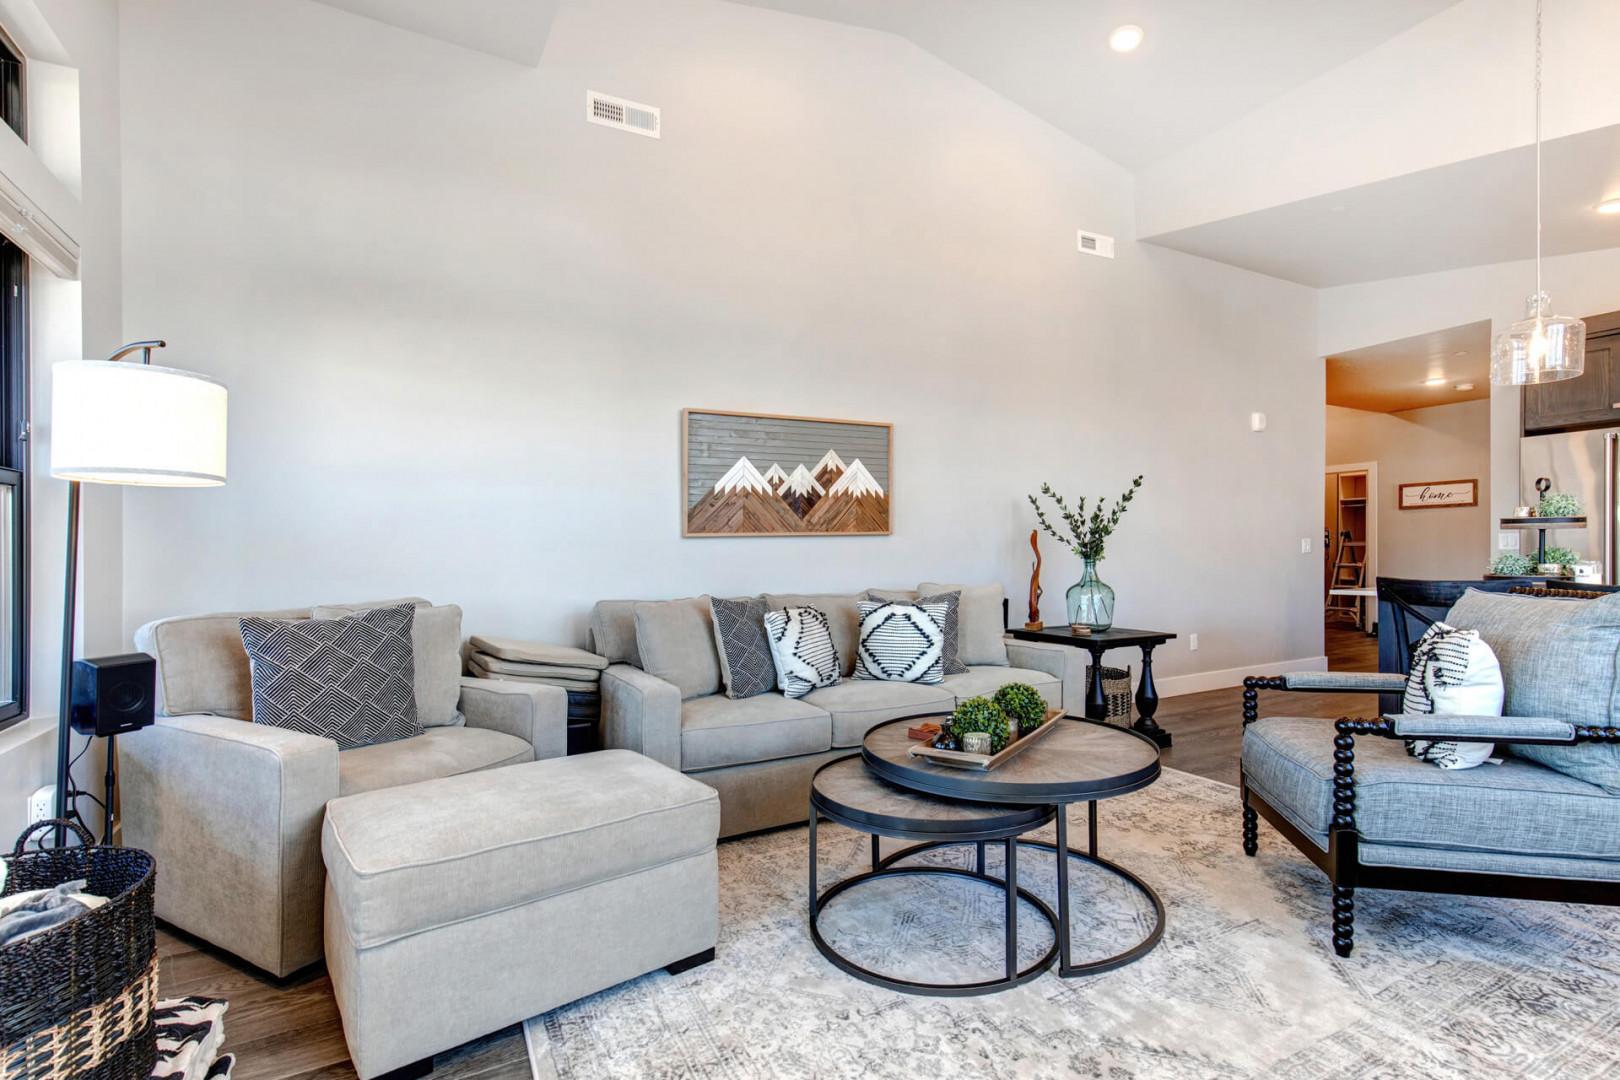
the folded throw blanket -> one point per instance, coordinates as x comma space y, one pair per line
24, 914
550, 671
534, 652
476, 666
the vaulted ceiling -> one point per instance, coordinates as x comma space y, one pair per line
1202, 64
513, 29
1322, 141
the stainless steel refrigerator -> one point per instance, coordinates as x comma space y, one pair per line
1582, 463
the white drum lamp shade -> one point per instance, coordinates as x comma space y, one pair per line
120, 422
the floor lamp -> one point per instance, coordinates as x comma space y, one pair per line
120, 421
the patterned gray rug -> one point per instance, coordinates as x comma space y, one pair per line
1244, 983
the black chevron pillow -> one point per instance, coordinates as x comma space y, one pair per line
352, 680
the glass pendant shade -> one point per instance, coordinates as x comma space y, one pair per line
1540, 348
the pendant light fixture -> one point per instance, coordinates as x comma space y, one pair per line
1540, 347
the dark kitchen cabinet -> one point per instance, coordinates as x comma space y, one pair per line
1593, 400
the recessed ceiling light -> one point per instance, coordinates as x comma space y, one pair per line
1465, 386
1438, 380
1607, 206
1126, 38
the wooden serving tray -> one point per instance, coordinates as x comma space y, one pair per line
958, 759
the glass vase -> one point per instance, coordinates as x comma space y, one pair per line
1091, 602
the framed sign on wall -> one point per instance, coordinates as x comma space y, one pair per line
754, 474
1439, 494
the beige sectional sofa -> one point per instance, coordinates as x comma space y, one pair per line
233, 810
663, 695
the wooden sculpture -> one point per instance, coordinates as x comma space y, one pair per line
1035, 584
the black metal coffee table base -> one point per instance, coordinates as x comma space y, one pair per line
1012, 978
1066, 968
845, 792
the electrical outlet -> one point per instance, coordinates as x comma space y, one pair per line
1304, 545
1192, 642
42, 804
1507, 541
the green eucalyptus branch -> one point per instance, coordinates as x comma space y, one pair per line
1087, 537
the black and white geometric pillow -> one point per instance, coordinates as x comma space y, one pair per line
802, 649
352, 680
952, 626
953, 635
746, 667
1454, 672
902, 642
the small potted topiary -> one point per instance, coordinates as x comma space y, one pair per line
982, 714
1023, 705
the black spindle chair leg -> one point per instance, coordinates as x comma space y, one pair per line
1344, 919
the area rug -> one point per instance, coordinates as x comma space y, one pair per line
1245, 982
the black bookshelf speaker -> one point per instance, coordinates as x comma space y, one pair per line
113, 694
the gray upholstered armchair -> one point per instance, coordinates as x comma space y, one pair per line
232, 810
1543, 824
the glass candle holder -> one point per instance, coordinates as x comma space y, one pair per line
976, 742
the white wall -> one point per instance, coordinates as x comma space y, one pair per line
1443, 442
458, 323
1351, 316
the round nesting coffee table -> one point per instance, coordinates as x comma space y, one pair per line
846, 792
1079, 761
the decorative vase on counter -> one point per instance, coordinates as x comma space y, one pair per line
1091, 601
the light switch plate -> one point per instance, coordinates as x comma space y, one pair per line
1304, 545
1507, 541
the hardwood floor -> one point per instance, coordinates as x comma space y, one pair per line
290, 1029
1208, 727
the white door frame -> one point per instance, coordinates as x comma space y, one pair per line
1370, 612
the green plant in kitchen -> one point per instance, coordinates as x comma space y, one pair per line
1564, 557
982, 714
1023, 705
1512, 564
1558, 504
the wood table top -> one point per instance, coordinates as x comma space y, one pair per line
1080, 761
850, 790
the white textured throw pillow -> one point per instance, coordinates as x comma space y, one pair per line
901, 642
1454, 673
802, 647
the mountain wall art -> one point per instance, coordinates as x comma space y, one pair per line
751, 474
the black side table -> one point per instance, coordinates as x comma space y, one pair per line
1147, 696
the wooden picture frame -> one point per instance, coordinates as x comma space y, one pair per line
813, 477
1438, 495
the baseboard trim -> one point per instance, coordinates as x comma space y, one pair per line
1199, 681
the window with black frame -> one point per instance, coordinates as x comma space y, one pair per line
13, 87
13, 483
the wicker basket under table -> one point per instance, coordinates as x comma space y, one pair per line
1117, 693
76, 1001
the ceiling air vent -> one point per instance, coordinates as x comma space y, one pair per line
1096, 244
625, 115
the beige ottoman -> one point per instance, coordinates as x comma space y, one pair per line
460, 906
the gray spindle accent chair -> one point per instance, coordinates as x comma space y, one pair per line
1347, 795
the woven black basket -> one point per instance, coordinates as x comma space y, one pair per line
76, 1001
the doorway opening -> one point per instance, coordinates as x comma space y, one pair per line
1407, 486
